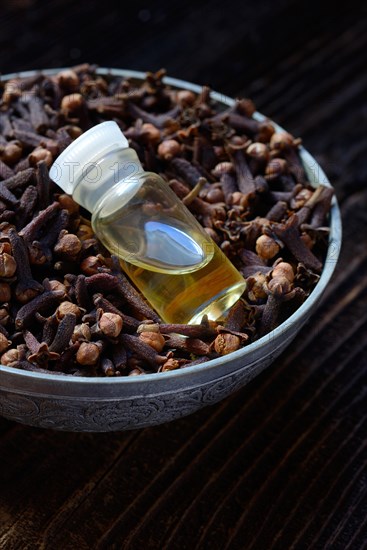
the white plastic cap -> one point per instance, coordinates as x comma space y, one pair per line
86, 149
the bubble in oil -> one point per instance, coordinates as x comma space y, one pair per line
171, 247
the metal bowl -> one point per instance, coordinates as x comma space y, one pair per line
108, 404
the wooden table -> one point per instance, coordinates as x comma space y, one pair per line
282, 463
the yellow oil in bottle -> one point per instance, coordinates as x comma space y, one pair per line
185, 284
186, 297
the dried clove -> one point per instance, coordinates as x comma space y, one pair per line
128, 292
4, 342
279, 290
190, 345
64, 333
142, 350
189, 173
68, 246
66, 308
81, 293
245, 179
101, 282
285, 144
38, 116
321, 208
266, 247
110, 324
5, 171
107, 367
26, 365
154, 339
289, 234
27, 206
88, 353
50, 325
119, 357
159, 121
43, 184
226, 343
201, 331
130, 323
40, 304
27, 287
39, 351
277, 212
8, 265
224, 170
168, 149
237, 317
31, 231
7, 196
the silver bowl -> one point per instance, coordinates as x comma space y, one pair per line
108, 404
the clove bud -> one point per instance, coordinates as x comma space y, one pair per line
88, 353
8, 265
153, 339
110, 324
4, 342
67, 307
226, 343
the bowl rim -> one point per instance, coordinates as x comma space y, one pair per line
316, 175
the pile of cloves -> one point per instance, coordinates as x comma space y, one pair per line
65, 304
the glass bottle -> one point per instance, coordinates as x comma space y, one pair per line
161, 246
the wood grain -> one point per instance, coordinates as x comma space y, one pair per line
280, 464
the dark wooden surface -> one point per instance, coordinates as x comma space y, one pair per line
282, 463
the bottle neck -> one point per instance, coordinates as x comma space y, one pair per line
97, 178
